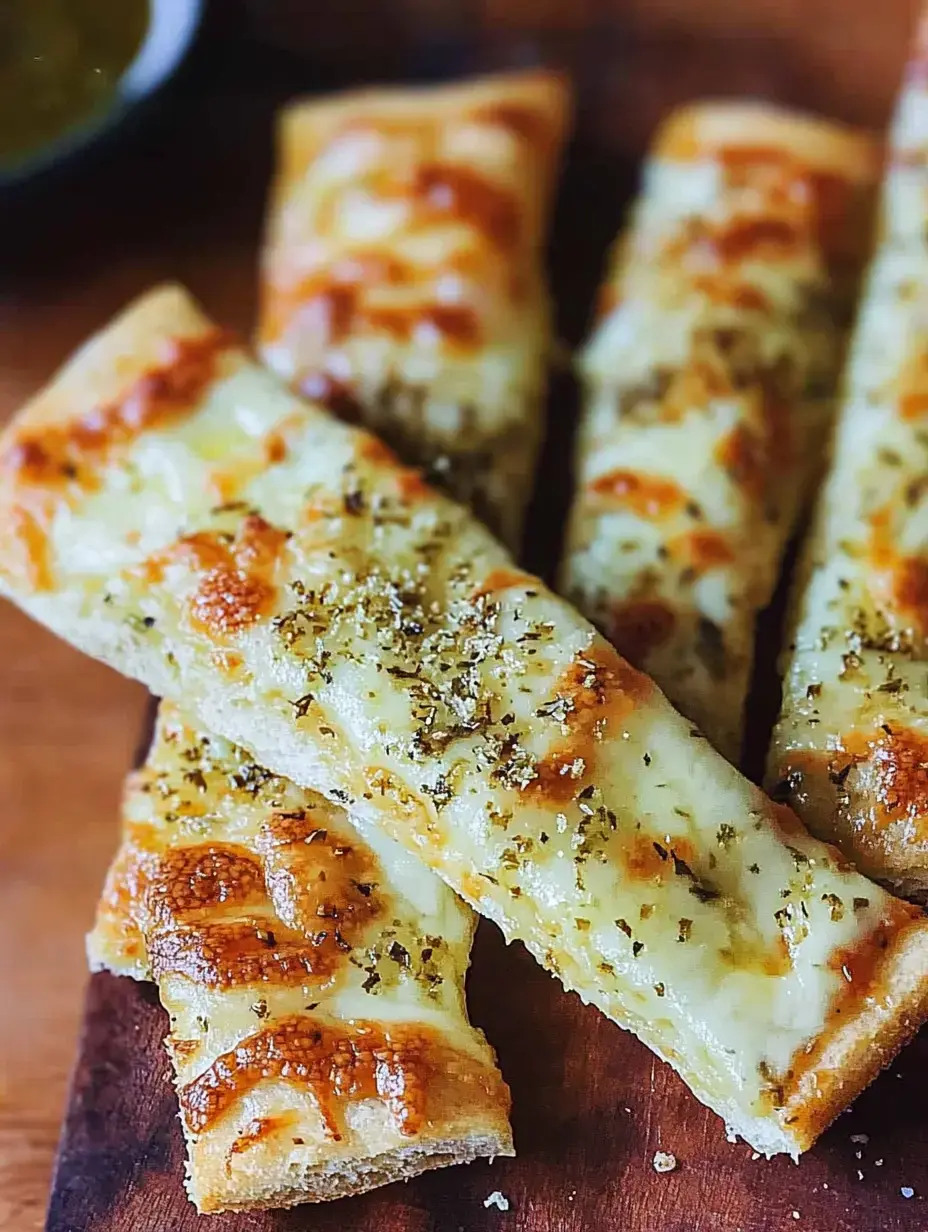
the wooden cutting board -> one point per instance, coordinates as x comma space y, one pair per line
591, 1105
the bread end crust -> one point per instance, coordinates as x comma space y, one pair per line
343, 1178
703, 130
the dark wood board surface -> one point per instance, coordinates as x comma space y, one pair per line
591, 1106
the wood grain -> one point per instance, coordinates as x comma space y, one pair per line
184, 200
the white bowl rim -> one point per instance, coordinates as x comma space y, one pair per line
171, 27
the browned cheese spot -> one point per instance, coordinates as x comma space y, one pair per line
446, 190
524, 121
124, 889
320, 877
236, 575
399, 1066
913, 385
648, 496
899, 582
60, 462
600, 689
499, 580
190, 883
721, 290
646, 860
702, 550
24, 543
892, 764
743, 456
238, 952
409, 484
259, 1129
335, 311
61, 455
798, 205
208, 911
183, 1049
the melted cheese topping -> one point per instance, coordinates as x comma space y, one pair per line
851, 747
708, 385
403, 282
307, 970
404, 668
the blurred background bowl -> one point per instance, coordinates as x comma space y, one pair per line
169, 34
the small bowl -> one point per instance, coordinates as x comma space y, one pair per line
172, 27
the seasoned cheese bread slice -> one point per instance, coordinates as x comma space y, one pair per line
403, 280
708, 384
366, 636
314, 981
850, 751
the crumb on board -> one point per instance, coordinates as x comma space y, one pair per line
878, 1162
664, 1161
498, 1200
795, 1214
860, 1139
860, 1175
907, 1191
755, 1155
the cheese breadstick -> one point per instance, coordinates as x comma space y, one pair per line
367, 637
709, 381
850, 750
403, 281
314, 979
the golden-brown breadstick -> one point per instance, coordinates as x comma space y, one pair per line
709, 382
850, 750
367, 637
403, 280
314, 978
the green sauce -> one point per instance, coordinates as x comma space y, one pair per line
60, 64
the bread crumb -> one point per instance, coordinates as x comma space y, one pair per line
878, 1162
862, 1139
860, 1175
755, 1155
795, 1214
730, 1135
497, 1199
664, 1161
907, 1191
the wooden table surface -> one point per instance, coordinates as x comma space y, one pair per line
183, 199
